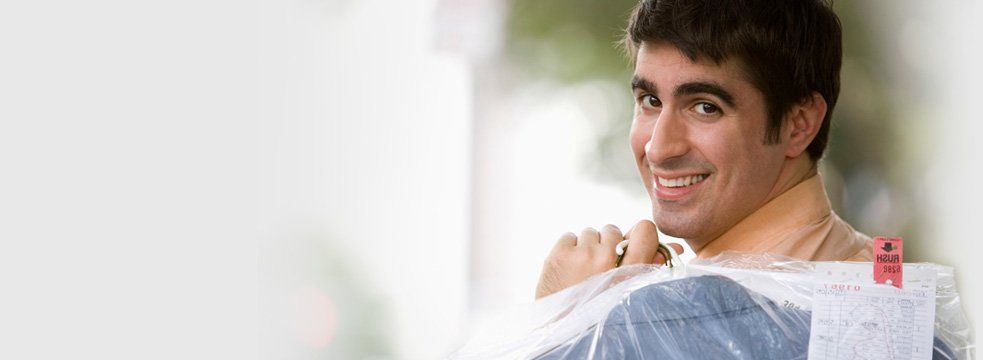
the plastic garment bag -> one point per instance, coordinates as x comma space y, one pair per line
734, 306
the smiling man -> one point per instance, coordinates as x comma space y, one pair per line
733, 103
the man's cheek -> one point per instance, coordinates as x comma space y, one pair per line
637, 146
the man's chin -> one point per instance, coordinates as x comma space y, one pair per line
676, 233
677, 228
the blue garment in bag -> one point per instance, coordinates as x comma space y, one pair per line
704, 317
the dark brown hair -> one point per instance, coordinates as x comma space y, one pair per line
787, 48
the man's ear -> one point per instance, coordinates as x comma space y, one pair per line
802, 123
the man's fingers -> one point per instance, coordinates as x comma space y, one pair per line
677, 247
610, 236
603, 253
576, 257
565, 241
643, 245
588, 237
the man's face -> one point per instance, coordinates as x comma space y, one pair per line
698, 139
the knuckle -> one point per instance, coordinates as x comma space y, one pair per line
612, 228
588, 236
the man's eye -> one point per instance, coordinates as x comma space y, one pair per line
706, 108
649, 100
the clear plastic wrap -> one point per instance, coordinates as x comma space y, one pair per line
733, 306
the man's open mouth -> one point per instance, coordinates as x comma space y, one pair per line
682, 181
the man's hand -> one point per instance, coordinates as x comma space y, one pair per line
576, 258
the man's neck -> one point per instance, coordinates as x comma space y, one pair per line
794, 172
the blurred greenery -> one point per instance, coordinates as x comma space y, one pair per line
573, 42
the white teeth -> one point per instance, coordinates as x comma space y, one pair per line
681, 181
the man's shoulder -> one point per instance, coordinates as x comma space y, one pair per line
844, 243
866, 252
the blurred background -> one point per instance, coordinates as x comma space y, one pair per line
339, 179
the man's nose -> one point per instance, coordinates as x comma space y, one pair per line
668, 139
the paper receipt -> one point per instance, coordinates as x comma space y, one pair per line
854, 318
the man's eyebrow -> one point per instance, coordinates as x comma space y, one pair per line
701, 87
638, 82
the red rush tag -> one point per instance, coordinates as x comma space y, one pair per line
888, 264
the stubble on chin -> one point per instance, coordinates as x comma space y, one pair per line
672, 229
677, 225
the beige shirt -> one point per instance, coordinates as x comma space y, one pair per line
798, 223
